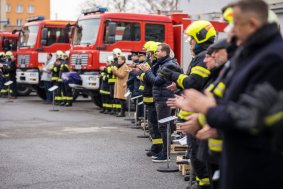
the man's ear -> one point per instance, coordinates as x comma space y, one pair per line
255, 23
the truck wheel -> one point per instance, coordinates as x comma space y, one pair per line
41, 93
23, 90
97, 100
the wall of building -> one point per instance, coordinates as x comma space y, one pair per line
2, 13
30, 8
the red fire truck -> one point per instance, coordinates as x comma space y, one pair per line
97, 33
38, 38
9, 42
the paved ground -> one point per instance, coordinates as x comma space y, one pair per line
74, 148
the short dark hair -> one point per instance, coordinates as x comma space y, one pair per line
165, 47
258, 7
50, 54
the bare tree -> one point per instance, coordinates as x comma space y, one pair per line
161, 5
142, 6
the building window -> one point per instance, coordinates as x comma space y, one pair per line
19, 22
8, 8
20, 8
30, 9
8, 22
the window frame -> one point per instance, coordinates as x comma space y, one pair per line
19, 8
132, 23
160, 24
8, 7
21, 22
30, 9
57, 37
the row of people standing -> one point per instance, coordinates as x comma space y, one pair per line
227, 100
113, 89
230, 108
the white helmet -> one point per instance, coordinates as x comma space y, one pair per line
117, 52
2, 54
67, 53
110, 59
9, 53
172, 54
273, 18
59, 54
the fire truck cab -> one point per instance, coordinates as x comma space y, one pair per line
97, 33
8, 42
38, 38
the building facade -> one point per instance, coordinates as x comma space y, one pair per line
15, 12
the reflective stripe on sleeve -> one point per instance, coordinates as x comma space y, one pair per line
181, 79
201, 71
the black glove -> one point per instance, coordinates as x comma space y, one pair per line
251, 109
168, 70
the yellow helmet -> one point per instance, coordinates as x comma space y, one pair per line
153, 47
228, 15
2, 54
147, 45
9, 53
201, 31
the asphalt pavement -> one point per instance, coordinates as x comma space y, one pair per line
76, 147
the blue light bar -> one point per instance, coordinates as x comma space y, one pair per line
94, 10
35, 18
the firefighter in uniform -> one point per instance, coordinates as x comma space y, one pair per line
104, 88
201, 35
148, 101
8, 66
66, 90
2, 79
11, 69
55, 69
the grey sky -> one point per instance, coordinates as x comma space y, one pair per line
65, 9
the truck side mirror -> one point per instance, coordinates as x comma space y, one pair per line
44, 34
14, 31
111, 32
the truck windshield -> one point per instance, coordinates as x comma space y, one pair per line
29, 35
86, 32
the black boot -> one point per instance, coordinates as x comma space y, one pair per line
102, 111
121, 114
113, 111
107, 111
154, 150
68, 104
123, 108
